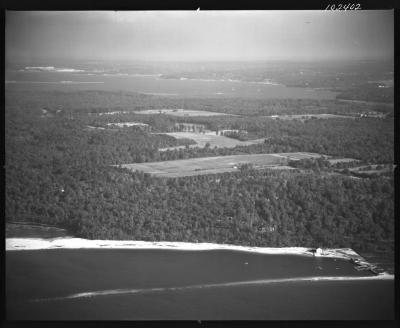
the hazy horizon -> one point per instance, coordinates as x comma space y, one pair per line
199, 36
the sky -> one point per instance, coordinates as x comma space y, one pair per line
198, 35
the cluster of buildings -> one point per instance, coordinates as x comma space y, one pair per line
142, 126
190, 127
233, 133
373, 114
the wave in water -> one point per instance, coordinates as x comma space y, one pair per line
158, 93
112, 292
266, 82
55, 82
50, 69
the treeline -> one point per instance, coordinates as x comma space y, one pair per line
368, 92
367, 139
107, 101
315, 164
250, 208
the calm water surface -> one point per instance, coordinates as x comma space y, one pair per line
157, 86
169, 284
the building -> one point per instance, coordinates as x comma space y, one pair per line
189, 127
142, 126
232, 133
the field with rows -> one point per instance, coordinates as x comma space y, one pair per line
217, 164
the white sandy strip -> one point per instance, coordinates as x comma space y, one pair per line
110, 292
15, 244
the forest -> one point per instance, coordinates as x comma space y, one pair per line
58, 172
107, 101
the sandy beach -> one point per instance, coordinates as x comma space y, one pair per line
20, 244
13, 244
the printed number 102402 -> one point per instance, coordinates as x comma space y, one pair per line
346, 6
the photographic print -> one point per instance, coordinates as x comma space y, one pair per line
199, 165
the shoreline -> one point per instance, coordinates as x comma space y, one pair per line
19, 244
29, 244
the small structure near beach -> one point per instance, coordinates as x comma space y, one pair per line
316, 251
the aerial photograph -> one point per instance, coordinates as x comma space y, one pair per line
199, 165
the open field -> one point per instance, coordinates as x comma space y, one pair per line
128, 124
372, 169
33, 230
333, 161
303, 117
90, 127
211, 138
217, 164
299, 155
180, 112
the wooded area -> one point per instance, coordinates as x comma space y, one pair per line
58, 172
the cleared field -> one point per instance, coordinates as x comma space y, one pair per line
304, 155
89, 127
373, 169
218, 164
342, 160
33, 230
128, 124
299, 155
180, 112
308, 116
211, 138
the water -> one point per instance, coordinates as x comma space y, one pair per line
131, 284
154, 85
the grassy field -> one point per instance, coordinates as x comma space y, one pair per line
33, 230
372, 169
180, 112
218, 164
303, 117
211, 138
341, 160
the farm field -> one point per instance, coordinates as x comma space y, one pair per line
90, 127
299, 155
333, 161
217, 164
127, 124
372, 169
180, 112
211, 138
309, 116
